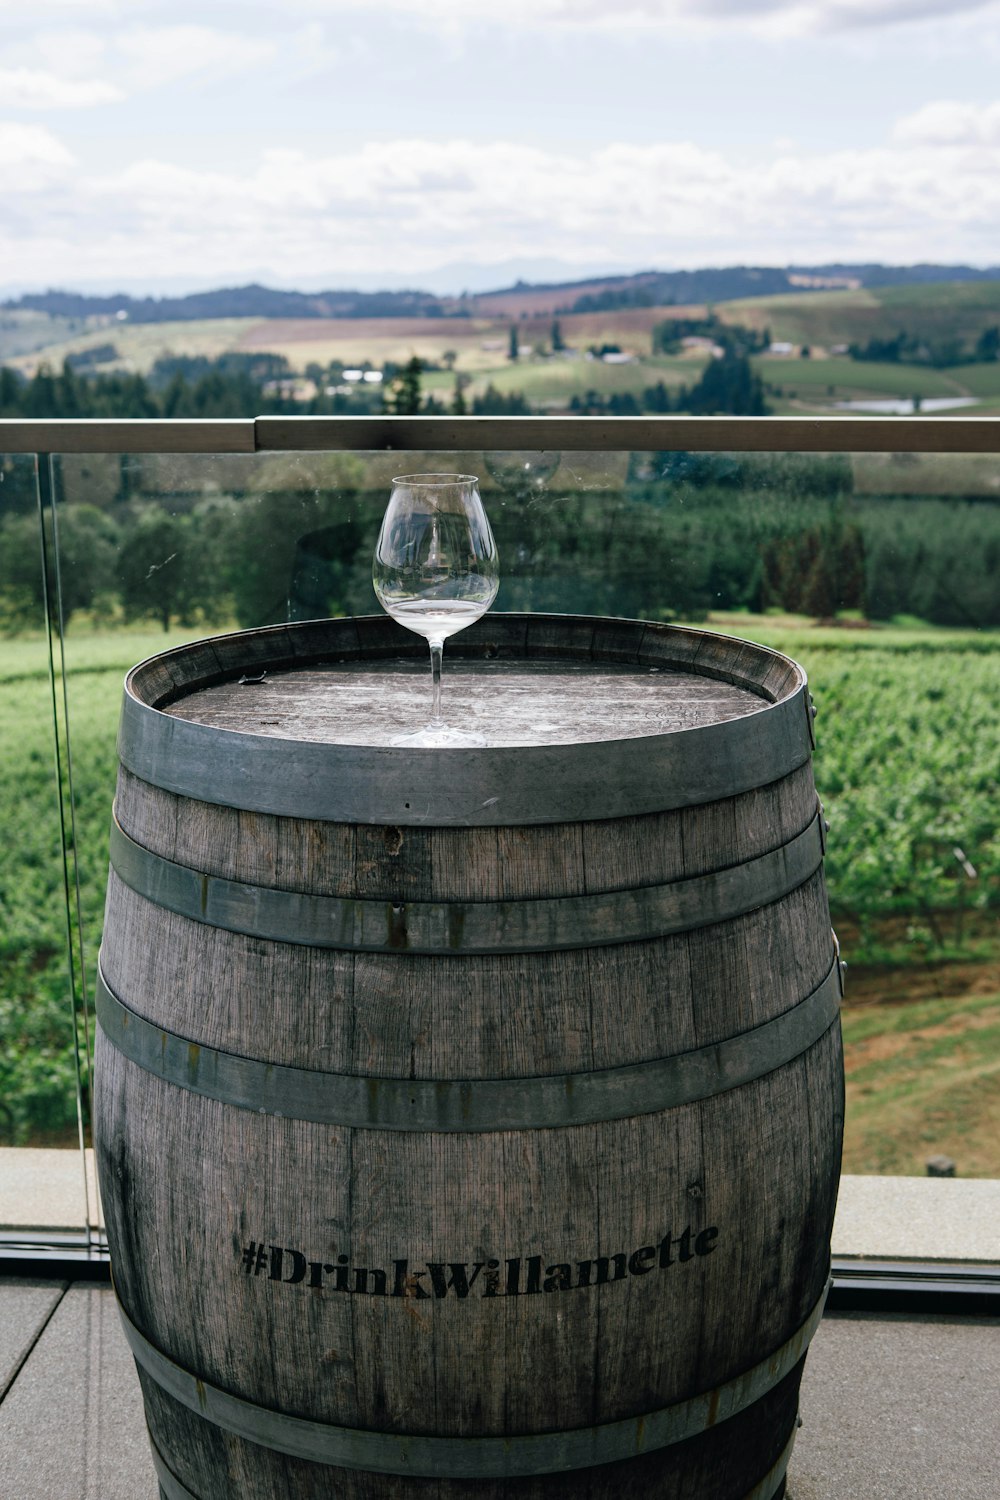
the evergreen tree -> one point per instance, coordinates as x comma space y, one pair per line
403, 398
11, 388
988, 344
494, 403
656, 398
728, 385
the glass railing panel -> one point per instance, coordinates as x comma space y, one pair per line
42, 1179
876, 571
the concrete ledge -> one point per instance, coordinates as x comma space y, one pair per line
878, 1218
42, 1188
918, 1218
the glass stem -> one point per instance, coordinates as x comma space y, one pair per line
437, 651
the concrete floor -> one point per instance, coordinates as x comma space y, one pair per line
894, 1408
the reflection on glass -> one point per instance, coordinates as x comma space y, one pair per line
877, 571
38, 1059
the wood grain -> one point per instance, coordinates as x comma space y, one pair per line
508, 703
678, 1248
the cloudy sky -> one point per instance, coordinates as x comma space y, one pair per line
449, 143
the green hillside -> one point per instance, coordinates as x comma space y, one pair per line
942, 322
937, 310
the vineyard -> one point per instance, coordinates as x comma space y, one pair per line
907, 766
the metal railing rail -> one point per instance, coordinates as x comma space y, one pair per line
439, 434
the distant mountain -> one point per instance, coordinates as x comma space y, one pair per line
234, 302
919, 275
643, 289
725, 284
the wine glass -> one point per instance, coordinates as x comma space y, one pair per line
435, 571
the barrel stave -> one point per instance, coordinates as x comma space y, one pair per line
494, 1281
736, 1164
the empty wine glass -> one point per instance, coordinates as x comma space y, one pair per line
435, 571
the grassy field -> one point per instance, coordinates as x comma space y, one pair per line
22, 333
923, 1080
810, 643
139, 345
856, 379
906, 764
923, 1077
480, 346
909, 743
87, 651
931, 474
937, 310
794, 385
554, 382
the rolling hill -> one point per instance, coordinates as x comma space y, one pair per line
476, 344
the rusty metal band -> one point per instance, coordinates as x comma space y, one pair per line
515, 1456
171, 1487
469, 1105
766, 1488
459, 928
463, 787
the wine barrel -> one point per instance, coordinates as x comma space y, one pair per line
469, 1120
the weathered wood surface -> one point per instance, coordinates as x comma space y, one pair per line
745, 710
487, 1016
715, 1465
520, 639
506, 703
213, 1211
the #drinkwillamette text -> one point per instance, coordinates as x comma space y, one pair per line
515, 1276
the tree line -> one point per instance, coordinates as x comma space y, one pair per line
249, 385
727, 385
686, 534
941, 353
234, 385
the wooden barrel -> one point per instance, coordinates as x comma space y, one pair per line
469, 1120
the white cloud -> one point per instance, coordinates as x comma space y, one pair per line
31, 145
774, 17
32, 162
68, 66
312, 52
155, 55
808, 17
412, 205
59, 9
30, 88
69, 51
951, 122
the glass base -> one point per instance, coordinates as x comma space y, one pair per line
439, 737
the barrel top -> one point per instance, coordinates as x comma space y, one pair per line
300, 719
509, 703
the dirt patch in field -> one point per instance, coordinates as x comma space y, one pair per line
876, 984
266, 334
888, 1045
915, 974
